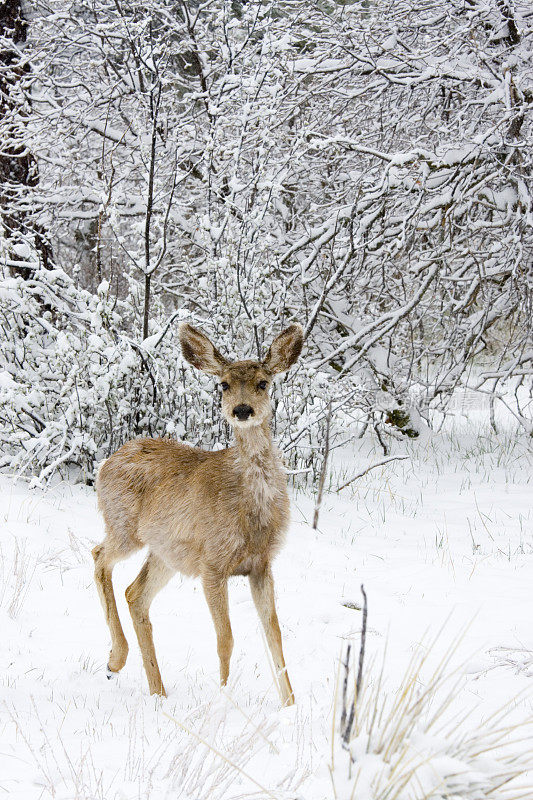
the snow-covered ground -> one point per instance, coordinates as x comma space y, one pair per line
441, 540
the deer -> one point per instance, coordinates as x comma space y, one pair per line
208, 514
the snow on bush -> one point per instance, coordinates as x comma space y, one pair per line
257, 171
74, 385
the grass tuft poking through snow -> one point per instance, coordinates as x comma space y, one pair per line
16, 574
410, 742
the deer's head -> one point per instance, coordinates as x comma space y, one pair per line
244, 384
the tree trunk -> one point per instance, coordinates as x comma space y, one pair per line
18, 167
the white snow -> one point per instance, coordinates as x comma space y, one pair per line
6, 380
442, 539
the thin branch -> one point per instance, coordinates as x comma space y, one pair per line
345, 685
348, 729
372, 466
323, 470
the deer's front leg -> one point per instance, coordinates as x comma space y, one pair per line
216, 594
262, 586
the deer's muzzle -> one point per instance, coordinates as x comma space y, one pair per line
242, 412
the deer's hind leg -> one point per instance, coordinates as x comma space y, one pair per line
154, 575
106, 555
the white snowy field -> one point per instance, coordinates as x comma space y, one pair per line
441, 540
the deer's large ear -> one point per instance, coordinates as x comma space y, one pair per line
285, 349
199, 351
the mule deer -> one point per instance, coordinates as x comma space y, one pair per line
209, 514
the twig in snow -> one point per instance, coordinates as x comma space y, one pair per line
323, 470
363, 642
372, 466
345, 685
348, 729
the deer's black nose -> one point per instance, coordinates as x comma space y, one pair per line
242, 412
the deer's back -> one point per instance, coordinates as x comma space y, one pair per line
190, 506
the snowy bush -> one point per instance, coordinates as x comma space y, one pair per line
363, 169
74, 386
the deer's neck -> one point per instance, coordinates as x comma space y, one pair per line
260, 469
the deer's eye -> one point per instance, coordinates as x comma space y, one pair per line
262, 385
224, 386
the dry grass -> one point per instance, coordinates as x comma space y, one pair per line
16, 575
406, 744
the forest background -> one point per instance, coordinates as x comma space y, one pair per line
361, 167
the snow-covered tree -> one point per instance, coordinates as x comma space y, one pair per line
362, 168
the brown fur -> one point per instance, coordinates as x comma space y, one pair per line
201, 513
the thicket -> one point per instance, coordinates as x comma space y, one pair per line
362, 168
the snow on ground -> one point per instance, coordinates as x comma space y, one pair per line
444, 538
